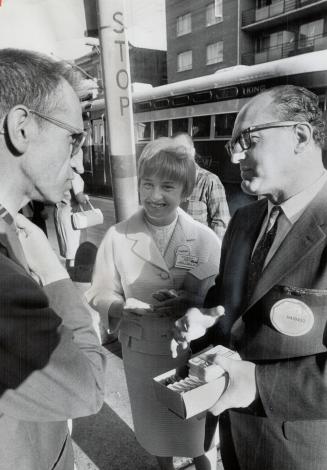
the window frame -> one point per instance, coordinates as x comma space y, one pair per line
184, 69
213, 61
182, 31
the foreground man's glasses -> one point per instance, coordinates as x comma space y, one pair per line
78, 136
244, 138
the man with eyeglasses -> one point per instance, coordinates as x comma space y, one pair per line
273, 287
52, 366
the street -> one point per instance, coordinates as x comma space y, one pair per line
106, 440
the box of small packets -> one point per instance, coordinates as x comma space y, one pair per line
195, 388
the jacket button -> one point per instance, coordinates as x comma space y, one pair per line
164, 276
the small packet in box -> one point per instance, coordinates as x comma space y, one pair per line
203, 367
196, 388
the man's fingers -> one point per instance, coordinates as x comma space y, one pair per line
220, 310
224, 362
220, 406
173, 347
176, 345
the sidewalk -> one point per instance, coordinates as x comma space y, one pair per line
106, 440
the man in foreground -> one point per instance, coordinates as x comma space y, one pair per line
272, 284
51, 362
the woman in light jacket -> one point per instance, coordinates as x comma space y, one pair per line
159, 248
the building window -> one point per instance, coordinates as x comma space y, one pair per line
215, 53
264, 3
309, 31
183, 24
214, 13
184, 61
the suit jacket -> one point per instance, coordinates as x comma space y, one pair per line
129, 264
51, 363
290, 415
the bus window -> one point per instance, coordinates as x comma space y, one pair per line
160, 129
322, 103
142, 131
101, 129
87, 152
180, 125
201, 127
95, 133
224, 124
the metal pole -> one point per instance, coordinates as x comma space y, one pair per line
118, 99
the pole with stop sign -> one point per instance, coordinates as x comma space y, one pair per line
118, 99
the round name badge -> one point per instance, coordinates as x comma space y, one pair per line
291, 317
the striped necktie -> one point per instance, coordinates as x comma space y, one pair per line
261, 251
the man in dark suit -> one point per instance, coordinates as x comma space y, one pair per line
51, 362
273, 287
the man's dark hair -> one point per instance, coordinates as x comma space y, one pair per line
31, 79
294, 103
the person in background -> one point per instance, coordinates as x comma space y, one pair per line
207, 203
148, 269
52, 366
272, 284
68, 238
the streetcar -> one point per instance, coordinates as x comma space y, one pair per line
204, 107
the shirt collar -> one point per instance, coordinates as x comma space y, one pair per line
5, 215
295, 205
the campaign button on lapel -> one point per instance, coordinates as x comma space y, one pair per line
291, 317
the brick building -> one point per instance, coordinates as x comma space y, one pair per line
205, 35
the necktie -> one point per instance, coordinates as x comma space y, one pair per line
262, 249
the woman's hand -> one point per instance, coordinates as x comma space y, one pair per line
136, 307
176, 302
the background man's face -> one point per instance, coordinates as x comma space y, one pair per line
48, 165
267, 168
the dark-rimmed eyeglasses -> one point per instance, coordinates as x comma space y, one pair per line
78, 135
243, 140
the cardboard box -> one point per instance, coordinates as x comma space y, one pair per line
189, 403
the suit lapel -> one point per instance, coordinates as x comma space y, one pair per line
305, 235
142, 241
9, 240
242, 241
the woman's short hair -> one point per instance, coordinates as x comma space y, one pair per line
166, 159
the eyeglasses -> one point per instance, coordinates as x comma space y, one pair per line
78, 135
244, 138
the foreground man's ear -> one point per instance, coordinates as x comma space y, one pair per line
303, 134
18, 129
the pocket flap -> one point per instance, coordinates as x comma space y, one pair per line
204, 270
130, 328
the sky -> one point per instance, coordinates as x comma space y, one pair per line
57, 26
